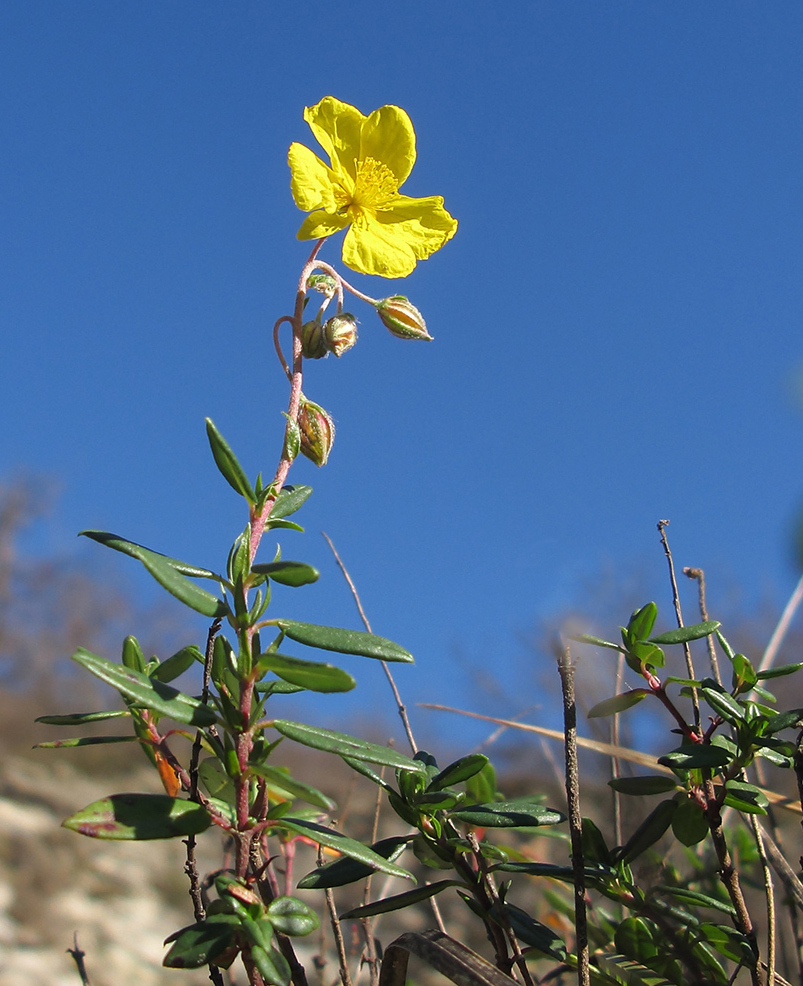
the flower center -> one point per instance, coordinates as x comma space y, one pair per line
374, 185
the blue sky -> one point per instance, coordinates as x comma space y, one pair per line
616, 321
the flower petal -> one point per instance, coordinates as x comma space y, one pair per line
423, 223
377, 249
337, 127
388, 136
320, 223
311, 181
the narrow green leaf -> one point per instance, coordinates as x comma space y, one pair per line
692, 755
779, 672
688, 823
292, 573
139, 817
216, 781
611, 706
649, 832
402, 900
745, 797
644, 785
346, 746
169, 573
460, 770
155, 695
342, 844
178, 663
521, 813
784, 720
729, 943
344, 641
200, 944
341, 872
313, 676
288, 501
642, 621
693, 897
291, 916
533, 933
282, 784
682, 635
625, 970
272, 965
724, 705
83, 741
80, 718
227, 463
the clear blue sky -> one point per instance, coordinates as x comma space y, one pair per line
616, 322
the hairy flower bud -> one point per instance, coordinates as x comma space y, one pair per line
317, 431
324, 283
340, 333
404, 320
313, 344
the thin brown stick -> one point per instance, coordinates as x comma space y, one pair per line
769, 893
699, 575
337, 931
662, 525
615, 765
78, 957
396, 695
566, 669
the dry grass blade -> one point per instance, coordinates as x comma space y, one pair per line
606, 749
445, 955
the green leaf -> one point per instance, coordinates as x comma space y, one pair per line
292, 573
594, 845
216, 781
723, 704
611, 706
83, 741
682, 635
688, 823
344, 641
169, 573
642, 621
200, 944
693, 897
80, 718
533, 933
132, 654
348, 847
729, 943
743, 675
272, 965
635, 937
649, 832
644, 652
523, 812
288, 501
178, 663
341, 872
139, 817
313, 676
402, 900
745, 797
625, 970
290, 916
644, 785
227, 463
692, 755
346, 746
779, 672
460, 770
155, 695
282, 784
784, 720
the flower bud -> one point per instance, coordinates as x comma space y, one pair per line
313, 344
317, 432
324, 283
340, 333
404, 320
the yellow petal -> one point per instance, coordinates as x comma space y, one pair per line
388, 136
376, 249
423, 223
318, 224
337, 127
311, 181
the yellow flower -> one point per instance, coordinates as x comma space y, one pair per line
371, 156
